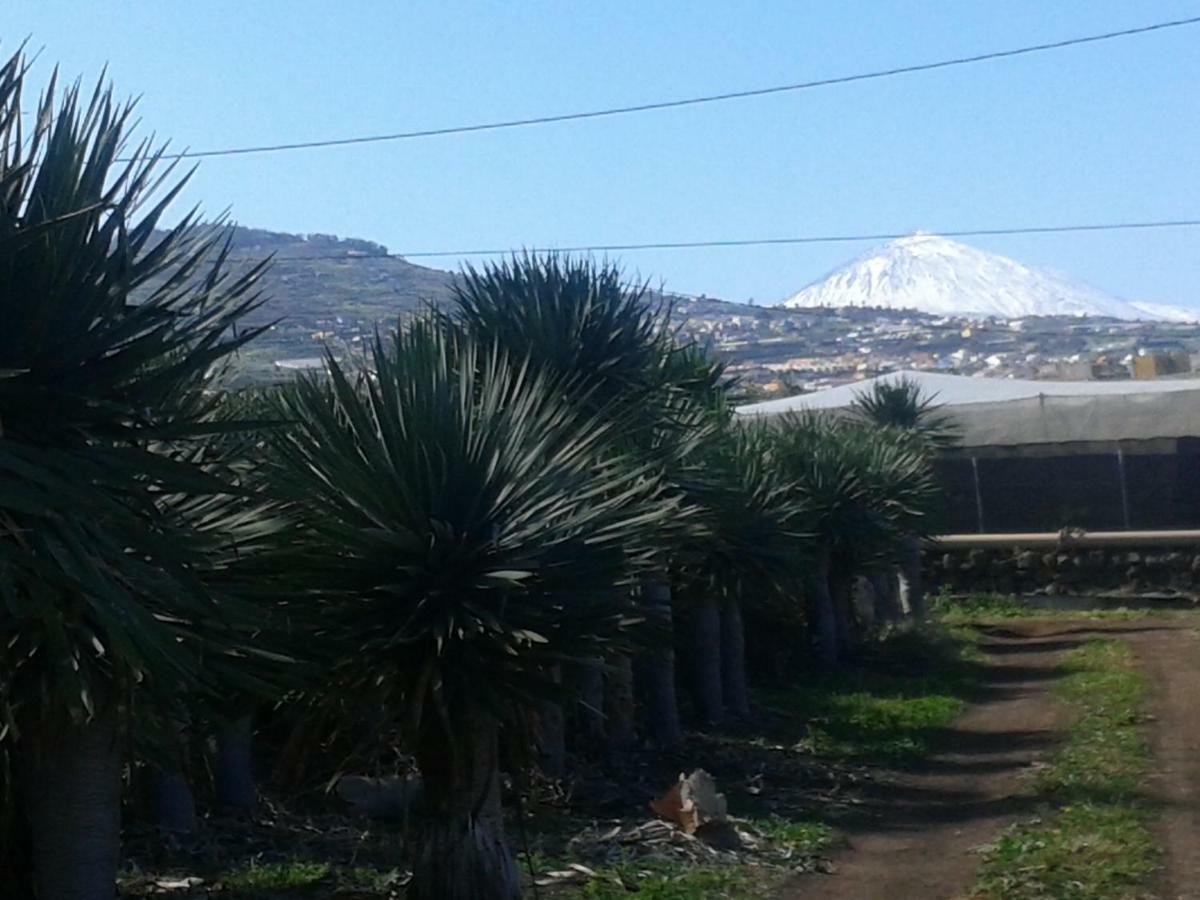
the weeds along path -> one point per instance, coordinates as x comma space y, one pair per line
1170, 658
915, 833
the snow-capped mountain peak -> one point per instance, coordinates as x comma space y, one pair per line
937, 275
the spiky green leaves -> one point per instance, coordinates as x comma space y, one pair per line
755, 519
460, 524
903, 404
864, 487
574, 320
110, 331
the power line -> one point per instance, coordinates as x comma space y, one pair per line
744, 242
689, 101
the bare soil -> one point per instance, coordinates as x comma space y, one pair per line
1170, 657
918, 830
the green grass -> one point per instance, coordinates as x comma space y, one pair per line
915, 683
1093, 842
952, 608
864, 725
788, 842
274, 877
960, 609
283, 879
801, 838
661, 880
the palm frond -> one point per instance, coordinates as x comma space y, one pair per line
461, 529
904, 404
111, 333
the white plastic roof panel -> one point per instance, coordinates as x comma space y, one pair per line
1001, 411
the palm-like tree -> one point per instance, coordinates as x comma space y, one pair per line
865, 490
577, 321
904, 405
110, 332
752, 547
459, 527
611, 348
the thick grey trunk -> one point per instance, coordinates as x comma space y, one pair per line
619, 702
841, 588
706, 661
174, 803
72, 793
826, 644
658, 670
591, 704
233, 765
887, 598
733, 658
459, 851
552, 735
912, 585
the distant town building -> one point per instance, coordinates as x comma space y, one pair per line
1155, 365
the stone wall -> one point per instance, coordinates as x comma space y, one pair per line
1065, 570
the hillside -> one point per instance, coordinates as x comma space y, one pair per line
329, 291
324, 291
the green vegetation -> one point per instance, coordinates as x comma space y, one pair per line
272, 877
963, 608
801, 838
966, 609
268, 880
122, 524
657, 880
916, 683
790, 841
903, 404
865, 725
866, 490
1093, 842
437, 552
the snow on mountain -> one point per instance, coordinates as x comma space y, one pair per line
936, 275
1164, 313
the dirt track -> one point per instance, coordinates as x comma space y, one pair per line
1171, 659
916, 834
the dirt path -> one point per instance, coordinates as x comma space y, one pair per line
1170, 657
917, 830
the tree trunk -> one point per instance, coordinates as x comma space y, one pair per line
826, 643
733, 658
71, 787
170, 791
706, 660
552, 735
912, 585
841, 588
591, 705
174, 804
459, 851
233, 765
619, 703
658, 670
887, 601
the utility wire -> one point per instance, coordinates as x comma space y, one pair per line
748, 242
689, 101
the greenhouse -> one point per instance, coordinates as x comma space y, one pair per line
1044, 455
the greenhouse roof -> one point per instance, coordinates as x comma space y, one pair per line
1005, 411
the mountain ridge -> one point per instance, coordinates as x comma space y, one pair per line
939, 276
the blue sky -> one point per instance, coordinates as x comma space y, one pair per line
1098, 133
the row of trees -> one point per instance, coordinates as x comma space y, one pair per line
503, 505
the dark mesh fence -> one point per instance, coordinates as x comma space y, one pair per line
1046, 493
